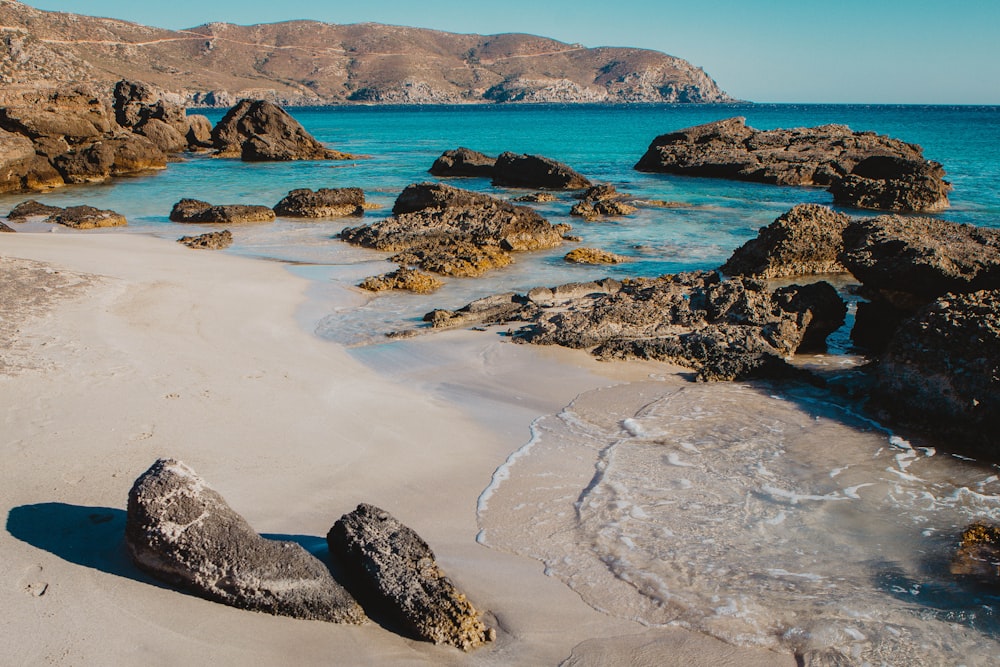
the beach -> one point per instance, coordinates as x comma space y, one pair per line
135, 348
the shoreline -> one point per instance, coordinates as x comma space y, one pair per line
203, 357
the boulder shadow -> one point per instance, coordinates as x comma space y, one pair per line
93, 537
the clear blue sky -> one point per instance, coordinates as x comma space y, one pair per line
859, 51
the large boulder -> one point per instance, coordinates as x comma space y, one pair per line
463, 162
182, 532
87, 217
941, 372
119, 155
822, 155
805, 240
21, 168
154, 113
323, 203
195, 210
889, 183
260, 131
535, 171
397, 568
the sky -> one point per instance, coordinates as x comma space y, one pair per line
846, 51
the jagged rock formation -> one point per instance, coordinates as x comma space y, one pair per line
308, 63
455, 232
194, 210
397, 568
880, 172
463, 162
323, 203
402, 278
261, 131
182, 532
806, 240
209, 240
536, 171
601, 200
30, 209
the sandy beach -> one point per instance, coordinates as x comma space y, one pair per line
119, 349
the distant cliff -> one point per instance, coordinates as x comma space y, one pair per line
309, 63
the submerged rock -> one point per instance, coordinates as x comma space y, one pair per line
536, 171
602, 200
208, 241
978, 554
463, 162
182, 532
399, 570
404, 279
323, 203
822, 155
194, 210
257, 131
87, 217
593, 256
808, 239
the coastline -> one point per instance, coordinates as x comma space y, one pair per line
161, 351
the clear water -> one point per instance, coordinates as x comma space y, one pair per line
783, 523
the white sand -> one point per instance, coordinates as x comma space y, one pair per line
198, 356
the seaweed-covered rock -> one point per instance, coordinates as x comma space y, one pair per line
87, 217
403, 278
463, 162
808, 239
209, 240
182, 532
257, 131
195, 210
535, 171
399, 570
978, 553
323, 203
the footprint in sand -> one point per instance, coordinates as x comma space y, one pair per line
31, 582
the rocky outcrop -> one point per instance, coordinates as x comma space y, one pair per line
209, 240
323, 203
182, 532
733, 329
397, 568
941, 372
260, 131
601, 200
159, 116
535, 171
87, 217
536, 198
194, 210
404, 279
593, 256
454, 232
978, 554
463, 162
884, 172
806, 240
31, 209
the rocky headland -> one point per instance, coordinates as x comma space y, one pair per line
861, 169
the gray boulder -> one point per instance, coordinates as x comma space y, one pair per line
323, 203
463, 162
195, 210
182, 532
536, 171
399, 570
261, 131
889, 183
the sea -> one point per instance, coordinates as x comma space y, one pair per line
763, 515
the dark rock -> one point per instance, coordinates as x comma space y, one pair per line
5, 228
821, 155
257, 130
323, 203
194, 210
888, 183
399, 570
87, 217
875, 322
978, 554
535, 171
30, 209
822, 309
403, 278
182, 532
536, 198
463, 162
136, 103
209, 241
805, 240
941, 372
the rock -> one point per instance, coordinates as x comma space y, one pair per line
209, 241
257, 130
30, 209
5, 228
463, 162
87, 217
163, 136
199, 132
535, 171
444, 229
594, 256
893, 184
118, 156
592, 210
194, 210
806, 240
941, 372
822, 155
536, 198
404, 279
822, 309
494, 309
323, 203
136, 103
978, 554
182, 532
400, 571
21, 168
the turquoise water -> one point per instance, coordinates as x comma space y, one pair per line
603, 142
